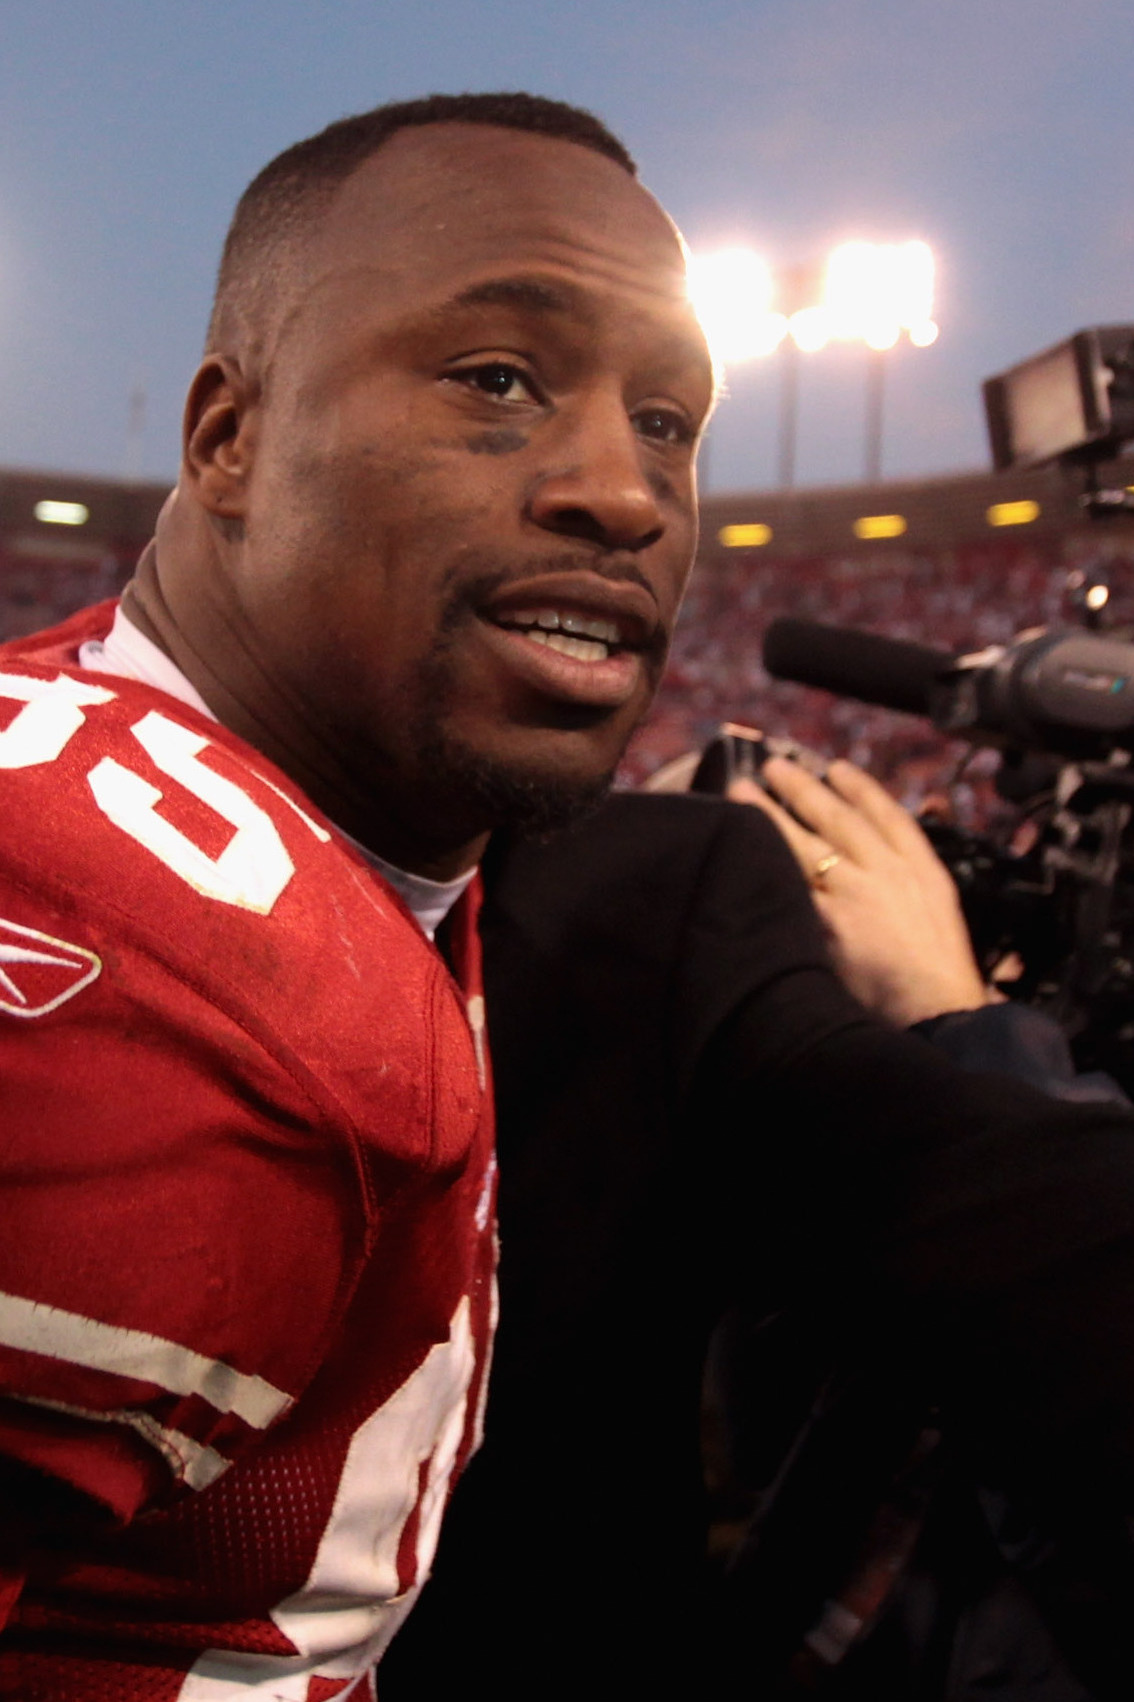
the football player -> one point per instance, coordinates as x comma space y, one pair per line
417, 579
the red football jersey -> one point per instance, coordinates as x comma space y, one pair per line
246, 1286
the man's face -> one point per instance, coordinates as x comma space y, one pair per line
471, 511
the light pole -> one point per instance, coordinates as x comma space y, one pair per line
789, 413
875, 404
796, 289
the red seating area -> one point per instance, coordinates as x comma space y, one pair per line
959, 598
67, 540
38, 590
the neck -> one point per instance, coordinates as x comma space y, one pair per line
369, 814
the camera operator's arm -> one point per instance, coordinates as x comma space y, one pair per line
889, 904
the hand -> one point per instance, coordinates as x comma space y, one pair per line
889, 904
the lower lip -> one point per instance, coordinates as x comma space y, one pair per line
601, 685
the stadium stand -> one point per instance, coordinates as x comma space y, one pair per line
66, 542
977, 558
968, 561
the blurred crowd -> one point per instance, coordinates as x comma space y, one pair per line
958, 599
37, 592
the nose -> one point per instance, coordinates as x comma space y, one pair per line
601, 490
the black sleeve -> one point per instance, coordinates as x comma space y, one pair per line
995, 1222
1021, 1042
978, 1236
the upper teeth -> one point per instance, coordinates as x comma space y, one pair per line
566, 620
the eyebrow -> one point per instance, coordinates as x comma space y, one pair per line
527, 293
534, 295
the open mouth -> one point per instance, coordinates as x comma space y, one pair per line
585, 638
576, 637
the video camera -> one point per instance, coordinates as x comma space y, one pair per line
1057, 901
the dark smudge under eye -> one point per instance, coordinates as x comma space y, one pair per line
499, 442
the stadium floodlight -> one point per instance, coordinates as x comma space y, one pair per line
868, 292
732, 297
876, 290
810, 329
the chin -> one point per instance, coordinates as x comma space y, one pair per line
501, 792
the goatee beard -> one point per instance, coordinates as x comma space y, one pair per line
502, 795
484, 790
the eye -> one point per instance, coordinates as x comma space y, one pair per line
664, 425
501, 380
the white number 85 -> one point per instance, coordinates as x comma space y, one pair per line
254, 867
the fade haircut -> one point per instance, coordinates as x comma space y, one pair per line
288, 195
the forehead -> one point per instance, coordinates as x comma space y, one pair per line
443, 205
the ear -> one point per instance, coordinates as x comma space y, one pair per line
219, 436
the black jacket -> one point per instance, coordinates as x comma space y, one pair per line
692, 1111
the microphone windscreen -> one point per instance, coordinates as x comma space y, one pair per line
885, 671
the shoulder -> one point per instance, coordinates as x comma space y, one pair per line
645, 929
228, 1058
654, 862
59, 645
163, 858
672, 835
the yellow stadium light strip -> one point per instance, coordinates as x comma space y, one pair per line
747, 537
1012, 513
62, 513
880, 526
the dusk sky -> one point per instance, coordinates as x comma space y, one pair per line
1000, 131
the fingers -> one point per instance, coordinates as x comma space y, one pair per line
852, 811
890, 819
834, 819
807, 846
848, 813
889, 904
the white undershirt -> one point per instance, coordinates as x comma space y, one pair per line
127, 652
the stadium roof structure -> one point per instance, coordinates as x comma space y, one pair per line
74, 517
923, 514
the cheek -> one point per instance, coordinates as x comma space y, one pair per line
433, 501
496, 443
672, 574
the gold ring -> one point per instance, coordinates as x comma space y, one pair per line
824, 867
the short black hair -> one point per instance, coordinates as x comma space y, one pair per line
294, 186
